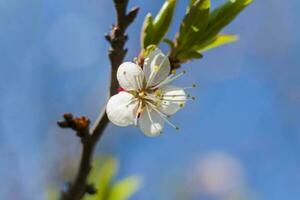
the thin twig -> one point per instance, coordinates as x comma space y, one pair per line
90, 137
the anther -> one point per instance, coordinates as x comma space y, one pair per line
156, 68
158, 93
190, 87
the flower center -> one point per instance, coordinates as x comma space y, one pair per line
142, 94
145, 97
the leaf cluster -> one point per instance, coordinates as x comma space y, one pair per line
199, 30
106, 188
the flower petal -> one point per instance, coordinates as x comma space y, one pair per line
156, 67
121, 109
151, 123
130, 76
174, 99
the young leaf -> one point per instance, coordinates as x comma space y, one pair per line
163, 20
219, 40
224, 14
191, 3
125, 188
194, 23
188, 55
147, 31
102, 174
153, 31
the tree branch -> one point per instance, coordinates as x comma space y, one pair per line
90, 136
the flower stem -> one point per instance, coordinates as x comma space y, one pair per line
117, 39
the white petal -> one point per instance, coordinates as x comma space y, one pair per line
156, 63
175, 99
129, 74
121, 109
151, 123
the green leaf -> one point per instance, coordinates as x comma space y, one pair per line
163, 20
191, 3
199, 29
194, 23
147, 31
219, 40
125, 188
153, 31
188, 55
103, 172
224, 14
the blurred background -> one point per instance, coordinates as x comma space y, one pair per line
239, 139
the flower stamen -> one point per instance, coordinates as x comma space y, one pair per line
149, 115
159, 112
138, 113
156, 69
139, 84
131, 101
169, 79
164, 117
179, 100
189, 87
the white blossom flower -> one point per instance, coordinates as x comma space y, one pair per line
147, 99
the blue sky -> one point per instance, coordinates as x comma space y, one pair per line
54, 60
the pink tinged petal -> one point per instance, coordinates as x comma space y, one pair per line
130, 76
151, 123
156, 67
174, 98
121, 109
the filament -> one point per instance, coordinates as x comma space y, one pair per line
189, 87
149, 115
169, 79
164, 117
155, 71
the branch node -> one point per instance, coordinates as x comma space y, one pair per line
79, 124
107, 37
125, 37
